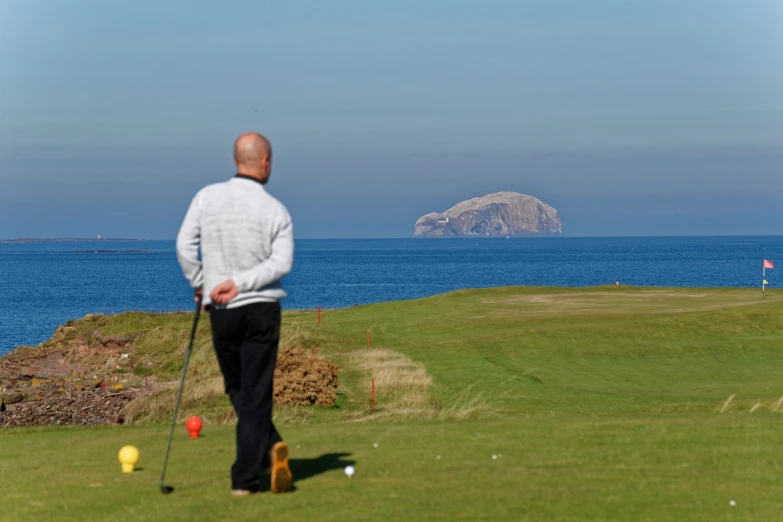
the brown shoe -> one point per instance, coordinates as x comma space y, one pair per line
281, 473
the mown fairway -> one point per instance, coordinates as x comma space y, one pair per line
599, 404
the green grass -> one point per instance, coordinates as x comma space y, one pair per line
605, 404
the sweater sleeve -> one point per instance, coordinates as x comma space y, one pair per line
188, 240
277, 265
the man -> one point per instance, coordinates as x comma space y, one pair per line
246, 241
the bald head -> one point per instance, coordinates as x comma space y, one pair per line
253, 156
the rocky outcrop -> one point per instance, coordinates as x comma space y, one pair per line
85, 376
66, 381
500, 214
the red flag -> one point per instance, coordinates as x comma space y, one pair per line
768, 264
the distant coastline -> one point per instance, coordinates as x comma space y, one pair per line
108, 251
28, 240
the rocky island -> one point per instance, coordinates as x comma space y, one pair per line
499, 214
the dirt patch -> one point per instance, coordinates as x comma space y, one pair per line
53, 365
44, 385
60, 406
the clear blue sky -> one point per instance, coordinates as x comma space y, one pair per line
629, 117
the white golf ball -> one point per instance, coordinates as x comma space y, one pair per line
375, 445
494, 457
349, 471
732, 503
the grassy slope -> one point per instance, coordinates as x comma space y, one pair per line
588, 351
604, 403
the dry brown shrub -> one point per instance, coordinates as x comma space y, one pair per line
304, 378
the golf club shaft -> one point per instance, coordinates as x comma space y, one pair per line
179, 392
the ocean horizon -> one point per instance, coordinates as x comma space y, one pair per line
52, 282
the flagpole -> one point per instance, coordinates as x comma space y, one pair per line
763, 281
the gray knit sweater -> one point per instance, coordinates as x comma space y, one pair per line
244, 234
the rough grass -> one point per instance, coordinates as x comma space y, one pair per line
204, 394
402, 385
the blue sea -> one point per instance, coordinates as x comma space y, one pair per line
46, 284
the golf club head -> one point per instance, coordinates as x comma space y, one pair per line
166, 489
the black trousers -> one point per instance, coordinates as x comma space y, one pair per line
246, 340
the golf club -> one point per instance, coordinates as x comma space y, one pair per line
163, 488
